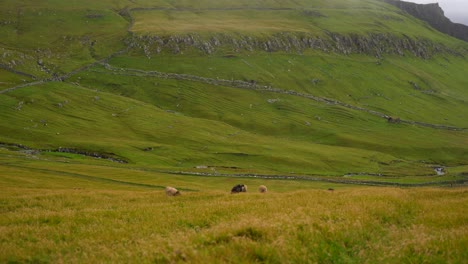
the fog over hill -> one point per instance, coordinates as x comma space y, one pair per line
455, 10
435, 16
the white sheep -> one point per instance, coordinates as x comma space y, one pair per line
262, 189
171, 191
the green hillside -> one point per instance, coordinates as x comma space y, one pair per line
247, 87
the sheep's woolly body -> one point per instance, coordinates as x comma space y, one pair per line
262, 189
171, 191
239, 188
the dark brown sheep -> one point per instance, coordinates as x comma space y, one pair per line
239, 188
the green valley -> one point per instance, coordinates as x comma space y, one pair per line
105, 103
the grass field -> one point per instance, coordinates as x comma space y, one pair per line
119, 215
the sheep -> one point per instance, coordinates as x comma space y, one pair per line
239, 188
262, 189
171, 191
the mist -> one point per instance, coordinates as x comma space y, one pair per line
455, 10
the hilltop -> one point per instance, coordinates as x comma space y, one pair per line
434, 16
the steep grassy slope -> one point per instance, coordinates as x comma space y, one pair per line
290, 87
356, 18
97, 121
46, 42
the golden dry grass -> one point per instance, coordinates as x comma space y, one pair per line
360, 225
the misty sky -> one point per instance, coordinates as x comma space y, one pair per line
455, 10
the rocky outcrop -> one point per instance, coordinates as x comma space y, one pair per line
434, 16
374, 44
94, 154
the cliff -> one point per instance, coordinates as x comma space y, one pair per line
434, 16
376, 44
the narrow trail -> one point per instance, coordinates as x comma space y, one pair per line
6, 68
264, 88
23, 85
63, 77
321, 179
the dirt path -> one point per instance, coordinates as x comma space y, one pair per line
323, 179
6, 68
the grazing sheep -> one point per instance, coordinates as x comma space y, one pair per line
262, 189
171, 191
239, 188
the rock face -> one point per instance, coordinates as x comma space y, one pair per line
375, 44
434, 15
